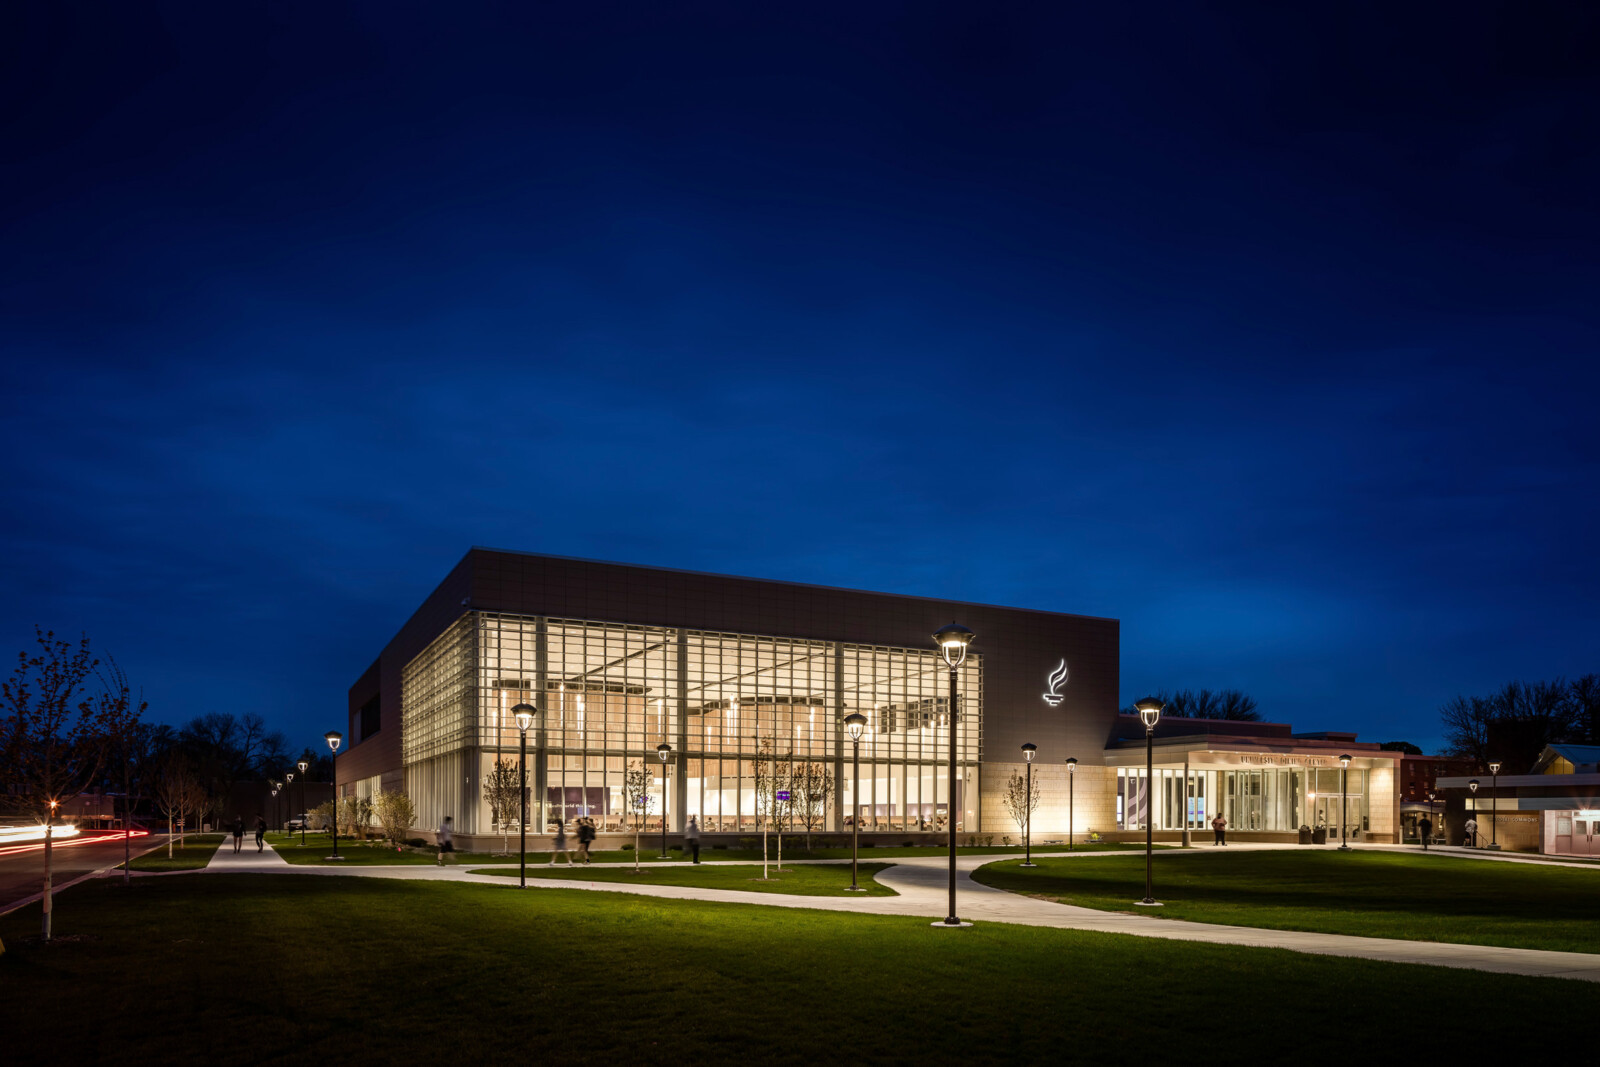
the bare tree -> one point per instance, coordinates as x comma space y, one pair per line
128, 739
55, 732
502, 791
636, 798
175, 787
1223, 704
810, 784
1020, 800
1466, 727
1586, 707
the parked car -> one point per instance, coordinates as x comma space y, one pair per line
298, 822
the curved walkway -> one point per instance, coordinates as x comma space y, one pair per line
921, 883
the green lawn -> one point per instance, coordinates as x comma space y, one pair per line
275, 969
1371, 894
318, 846
196, 852
811, 880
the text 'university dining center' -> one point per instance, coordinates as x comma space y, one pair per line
738, 675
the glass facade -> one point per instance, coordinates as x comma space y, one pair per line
733, 707
1271, 799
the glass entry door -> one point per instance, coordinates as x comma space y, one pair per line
1328, 816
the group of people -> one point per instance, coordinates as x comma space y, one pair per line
584, 830
261, 832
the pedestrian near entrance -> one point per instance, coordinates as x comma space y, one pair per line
1220, 825
446, 846
561, 845
1425, 830
261, 833
586, 836
691, 838
1472, 833
238, 832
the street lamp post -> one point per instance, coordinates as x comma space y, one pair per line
288, 797
664, 750
303, 764
524, 714
1028, 752
1494, 801
1344, 801
854, 723
333, 737
1149, 714
952, 642
1432, 815
1473, 786
1072, 774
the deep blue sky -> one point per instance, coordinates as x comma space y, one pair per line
1273, 338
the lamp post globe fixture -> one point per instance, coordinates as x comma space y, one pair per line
1149, 714
333, 737
854, 724
952, 642
1072, 777
523, 714
303, 765
1029, 751
1344, 801
1494, 805
664, 750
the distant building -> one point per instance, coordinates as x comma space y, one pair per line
1553, 809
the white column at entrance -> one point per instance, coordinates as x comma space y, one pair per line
1184, 802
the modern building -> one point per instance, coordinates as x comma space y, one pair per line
739, 676
1554, 808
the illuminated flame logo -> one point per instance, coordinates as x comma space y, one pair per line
1057, 679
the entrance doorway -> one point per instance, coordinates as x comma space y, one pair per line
1578, 833
1327, 815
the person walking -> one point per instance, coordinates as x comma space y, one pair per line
261, 833
1472, 833
238, 832
586, 836
1220, 826
446, 846
560, 845
1425, 830
691, 838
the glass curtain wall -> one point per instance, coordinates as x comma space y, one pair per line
1273, 799
747, 717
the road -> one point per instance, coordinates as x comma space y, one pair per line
22, 873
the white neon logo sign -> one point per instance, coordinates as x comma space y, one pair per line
1057, 679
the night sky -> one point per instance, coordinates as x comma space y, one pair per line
1273, 338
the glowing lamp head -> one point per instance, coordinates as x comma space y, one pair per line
333, 737
663, 750
1473, 785
1029, 751
953, 641
524, 714
854, 723
1494, 766
303, 765
1072, 764
1149, 711
274, 792
1344, 761
290, 776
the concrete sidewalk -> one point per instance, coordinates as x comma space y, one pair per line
246, 860
921, 883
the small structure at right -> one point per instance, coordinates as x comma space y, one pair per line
1554, 808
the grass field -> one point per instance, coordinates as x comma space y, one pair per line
318, 845
811, 880
1370, 894
196, 852
273, 969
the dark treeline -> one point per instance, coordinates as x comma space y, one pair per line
1515, 722
1205, 704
